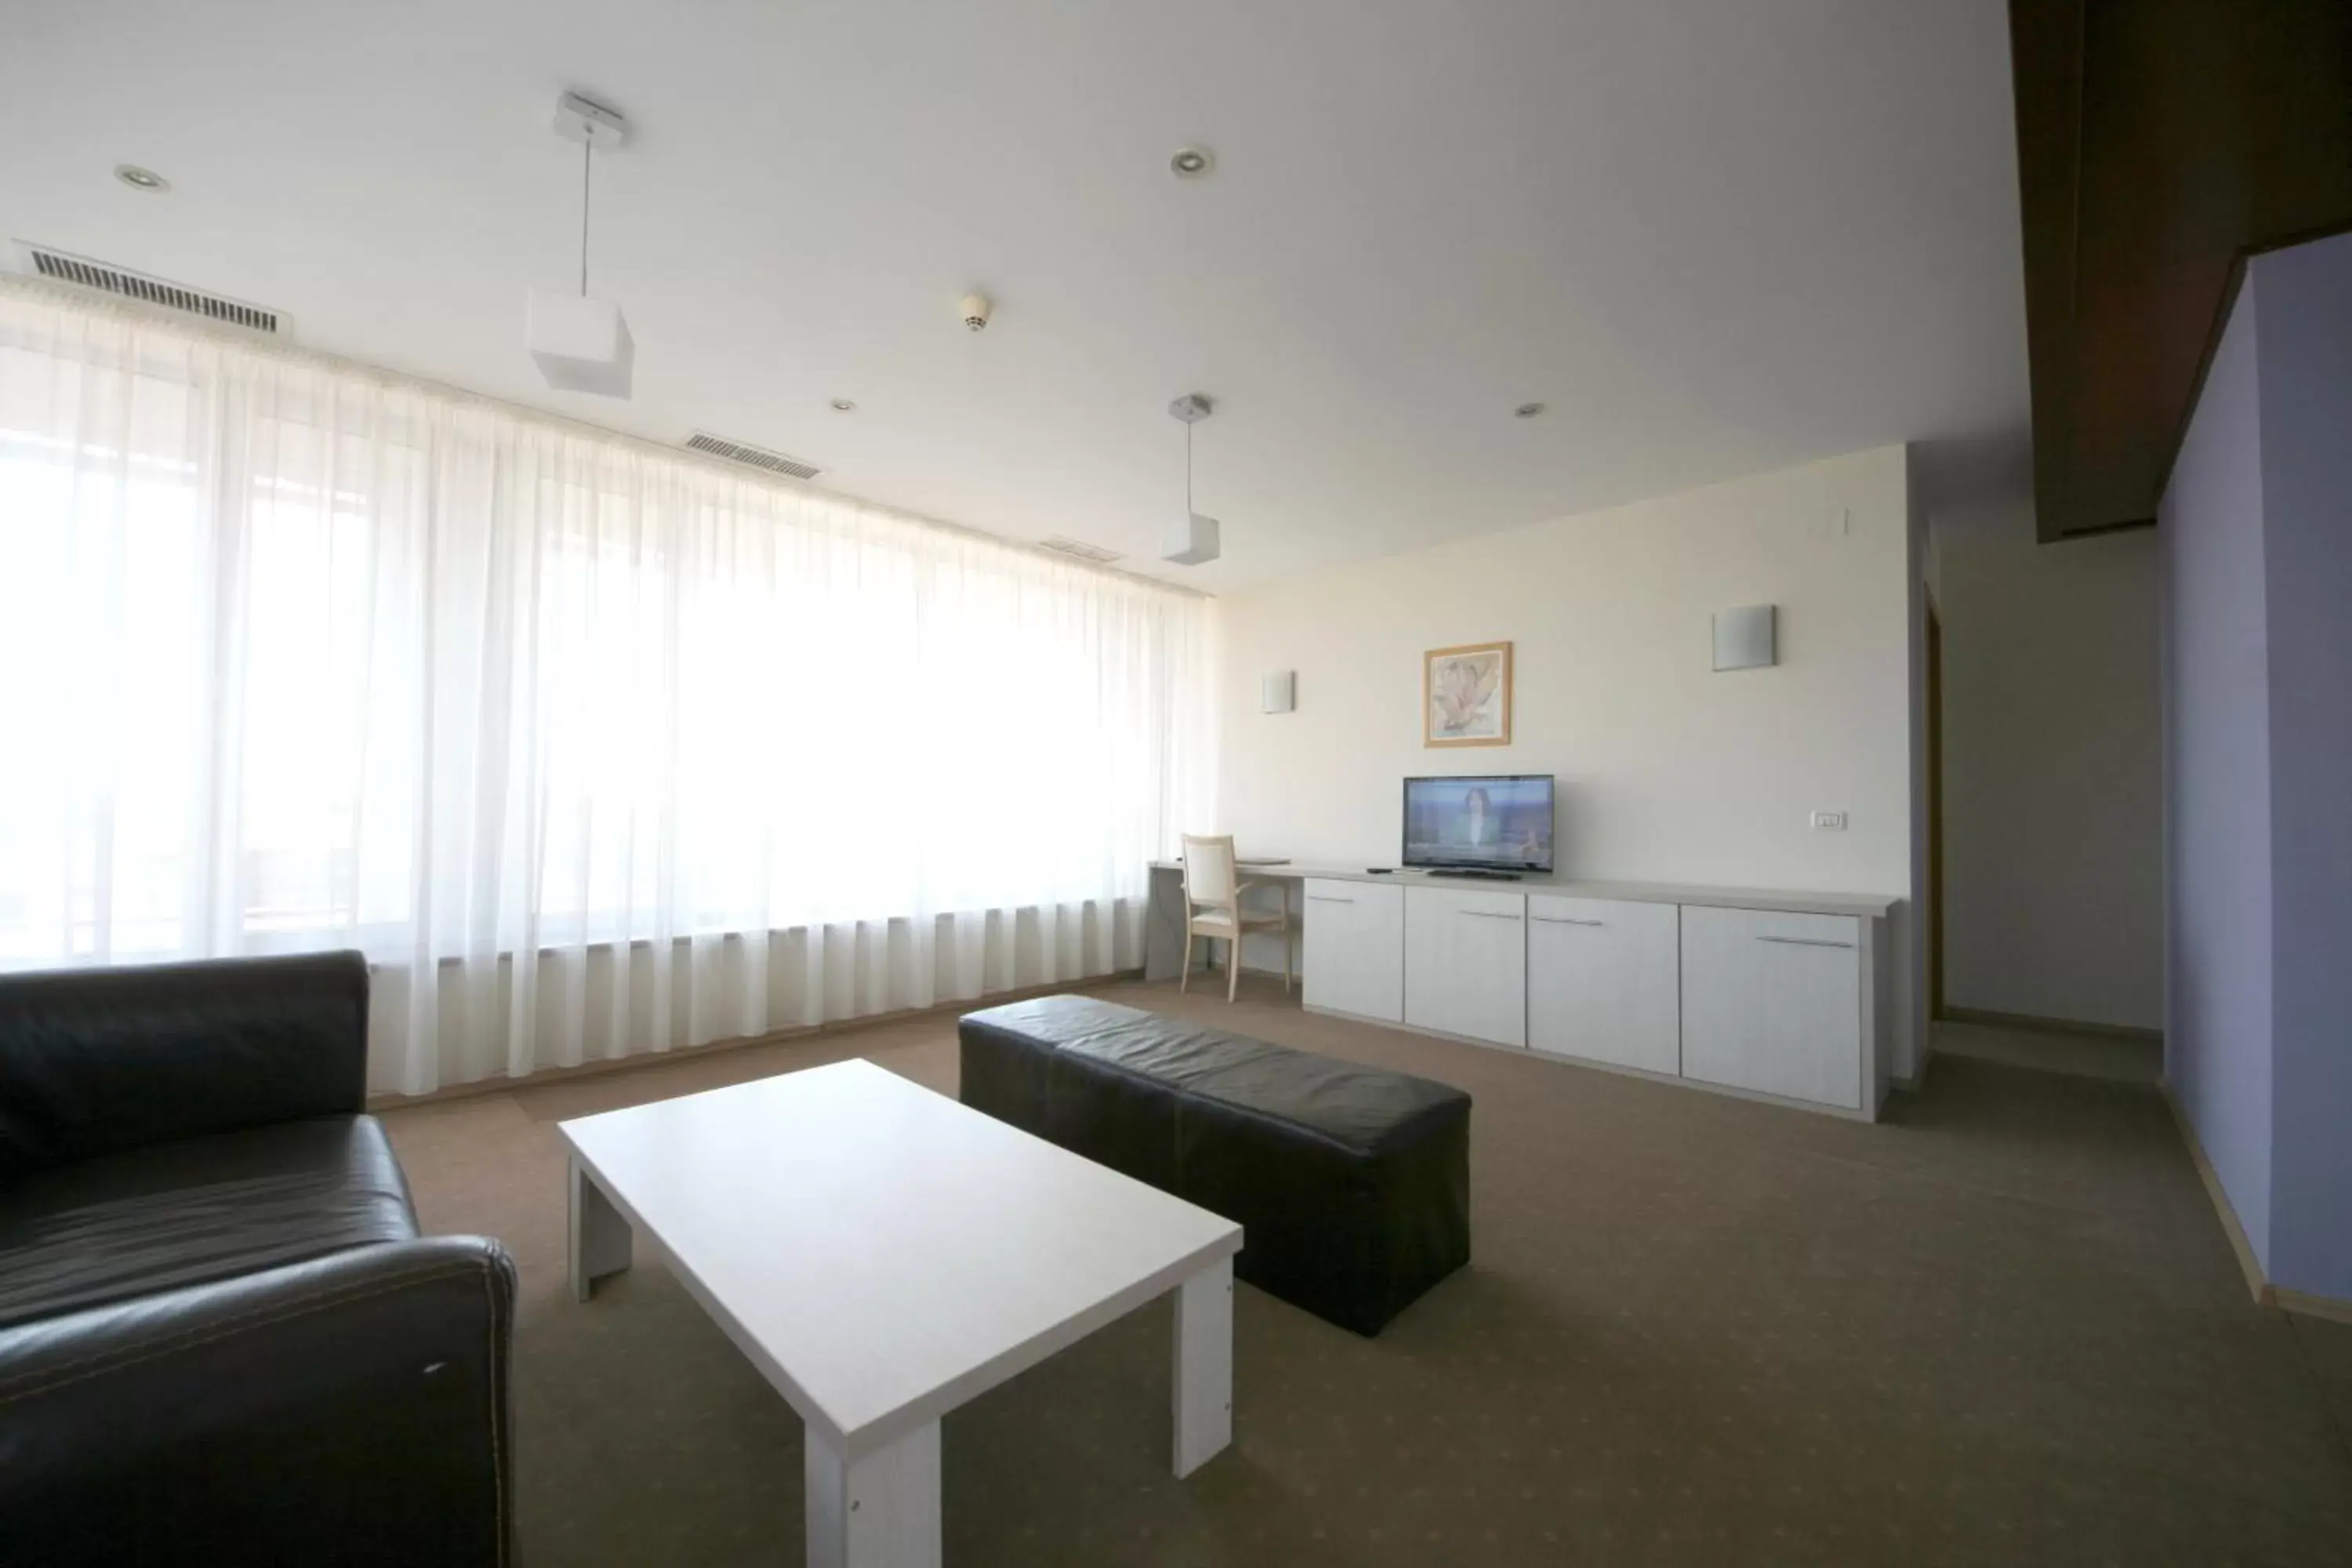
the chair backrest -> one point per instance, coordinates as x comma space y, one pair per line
1209, 869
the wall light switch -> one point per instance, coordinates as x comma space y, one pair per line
1830, 821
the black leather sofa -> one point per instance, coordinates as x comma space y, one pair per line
221, 1337
1352, 1186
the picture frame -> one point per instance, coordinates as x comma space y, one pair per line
1465, 695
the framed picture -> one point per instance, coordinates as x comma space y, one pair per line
1465, 695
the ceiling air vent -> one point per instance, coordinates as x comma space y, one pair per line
60, 267
1079, 548
750, 456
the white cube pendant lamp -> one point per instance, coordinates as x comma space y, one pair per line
1194, 541
1191, 543
581, 344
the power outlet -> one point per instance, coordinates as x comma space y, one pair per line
1829, 821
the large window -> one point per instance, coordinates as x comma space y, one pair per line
294, 656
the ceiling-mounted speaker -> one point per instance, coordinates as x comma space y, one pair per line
1278, 691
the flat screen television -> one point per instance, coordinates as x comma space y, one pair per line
1497, 824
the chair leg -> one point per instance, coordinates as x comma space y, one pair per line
1233, 964
1286, 955
1184, 976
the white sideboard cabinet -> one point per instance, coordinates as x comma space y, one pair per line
1784, 995
1354, 954
1604, 981
1779, 1004
1465, 963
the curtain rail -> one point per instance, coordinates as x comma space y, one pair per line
66, 297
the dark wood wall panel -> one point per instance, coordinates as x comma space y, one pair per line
2160, 142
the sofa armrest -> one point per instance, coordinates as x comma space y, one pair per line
354, 1406
95, 1061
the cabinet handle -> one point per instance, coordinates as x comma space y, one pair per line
1565, 920
1329, 898
1487, 914
1803, 942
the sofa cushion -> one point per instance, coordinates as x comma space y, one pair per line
200, 1209
100, 1060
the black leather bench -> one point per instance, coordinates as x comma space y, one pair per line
1352, 1186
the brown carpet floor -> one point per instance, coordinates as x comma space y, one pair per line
2001, 1327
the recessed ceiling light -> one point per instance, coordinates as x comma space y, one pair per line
1191, 163
844, 406
1528, 410
139, 178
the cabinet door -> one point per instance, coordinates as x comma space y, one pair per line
1466, 963
1604, 981
1354, 944
1773, 1002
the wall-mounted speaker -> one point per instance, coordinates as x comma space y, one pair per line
1745, 639
1278, 691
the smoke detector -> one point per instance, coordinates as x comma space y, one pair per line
974, 309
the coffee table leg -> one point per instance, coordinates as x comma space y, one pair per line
1204, 1366
600, 1237
879, 1512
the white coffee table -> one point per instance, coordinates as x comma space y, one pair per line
883, 1254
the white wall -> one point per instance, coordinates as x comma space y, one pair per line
1667, 770
2257, 565
2053, 814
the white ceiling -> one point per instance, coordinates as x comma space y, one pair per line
1716, 236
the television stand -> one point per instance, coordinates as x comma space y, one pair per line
1478, 873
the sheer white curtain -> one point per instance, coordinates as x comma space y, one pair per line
591, 750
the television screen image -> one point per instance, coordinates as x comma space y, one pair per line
1504, 823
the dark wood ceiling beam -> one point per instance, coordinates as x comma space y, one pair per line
2160, 142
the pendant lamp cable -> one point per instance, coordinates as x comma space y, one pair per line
1188, 468
587, 156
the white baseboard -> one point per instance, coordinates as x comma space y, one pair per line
2248, 1263
1985, 1017
2265, 1293
2311, 1305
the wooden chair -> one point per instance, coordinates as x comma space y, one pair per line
1213, 907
